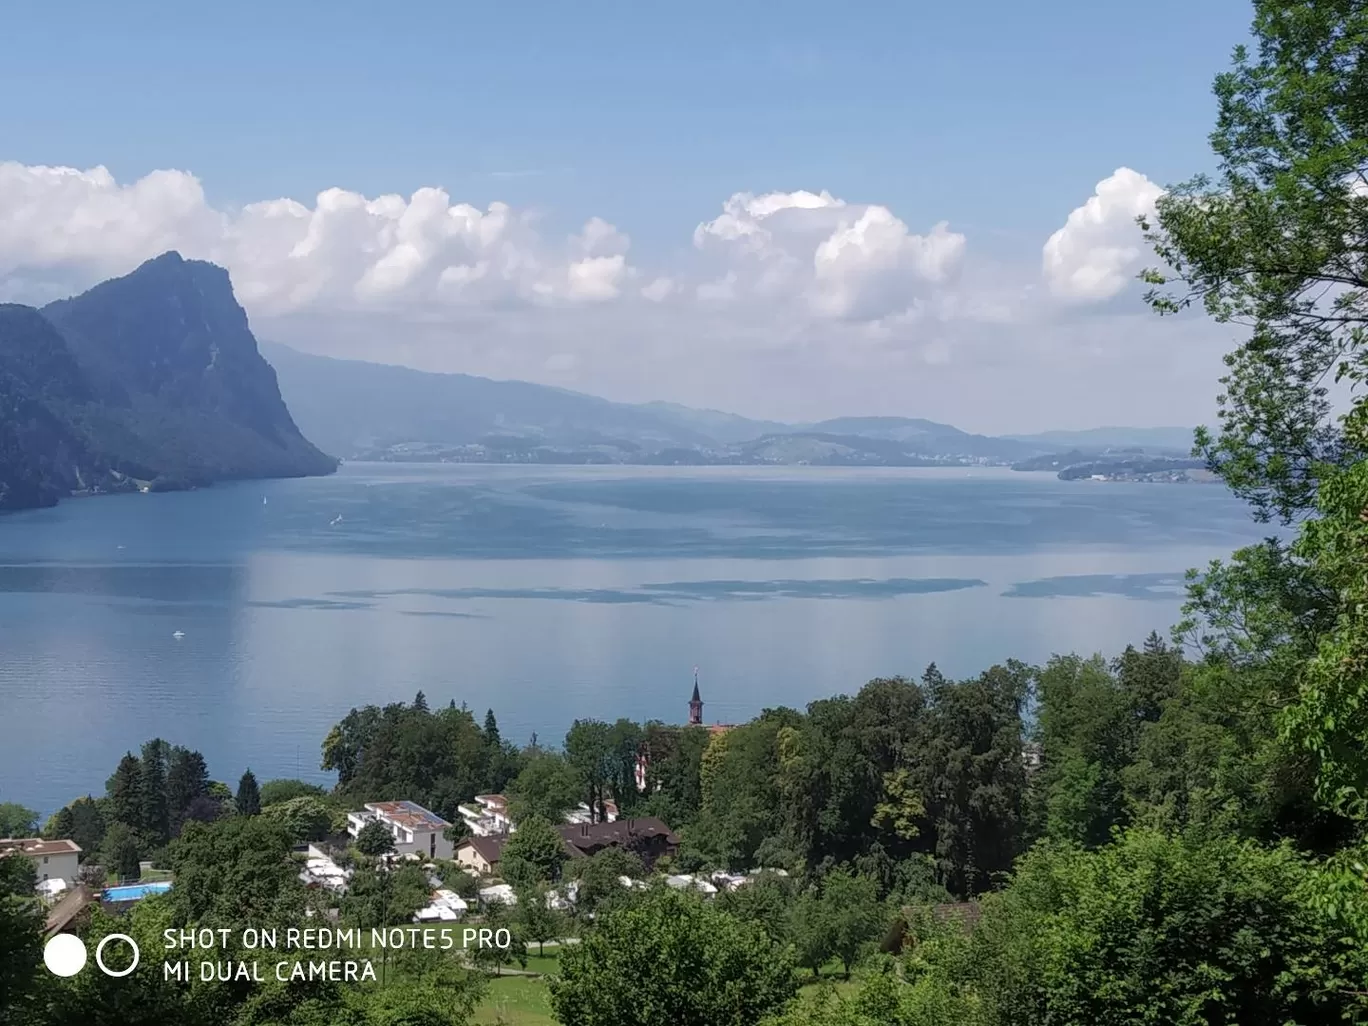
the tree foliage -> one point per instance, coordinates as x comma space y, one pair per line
671, 958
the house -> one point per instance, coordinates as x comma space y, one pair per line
445, 906
488, 816
481, 855
321, 871
647, 837
502, 893
581, 813
415, 830
689, 883
52, 860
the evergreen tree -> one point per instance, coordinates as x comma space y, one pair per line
125, 792
420, 702
248, 795
155, 821
491, 730
187, 779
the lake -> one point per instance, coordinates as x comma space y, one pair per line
550, 594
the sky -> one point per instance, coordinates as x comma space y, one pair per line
791, 211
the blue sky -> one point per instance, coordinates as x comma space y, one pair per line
998, 118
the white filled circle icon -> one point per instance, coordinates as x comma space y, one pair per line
65, 955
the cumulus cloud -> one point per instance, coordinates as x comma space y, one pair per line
784, 296
844, 261
343, 250
1100, 248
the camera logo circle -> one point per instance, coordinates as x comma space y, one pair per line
99, 953
64, 955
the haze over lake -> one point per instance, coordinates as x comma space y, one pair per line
549, 594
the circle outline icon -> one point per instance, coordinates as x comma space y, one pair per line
99, 951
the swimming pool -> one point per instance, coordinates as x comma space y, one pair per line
135, 892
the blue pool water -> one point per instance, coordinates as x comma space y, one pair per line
135, 892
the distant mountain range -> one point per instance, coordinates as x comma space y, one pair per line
150, 381
1176, 439
154, 381
373, 411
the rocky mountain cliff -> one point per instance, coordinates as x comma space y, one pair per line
149, 380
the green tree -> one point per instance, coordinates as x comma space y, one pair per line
671, 958
121, 853
21, 938
125, 792
17, 821
809, 929
598, 880
537, 921
374, 839
273, 792
547, 787
497, 916
533, 854
381, 895
972, 773
589, 752
854, 914
1277, 243
187, 781
248, 797
155, 820
306, 818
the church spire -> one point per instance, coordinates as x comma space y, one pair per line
695, 704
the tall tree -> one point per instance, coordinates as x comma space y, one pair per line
588, 748
248, 798
1278, 242
547, 787
125, 791
21, 939
534, 854
156, 824
187, 779
121, 855
974, 780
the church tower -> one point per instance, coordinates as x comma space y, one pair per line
695, 704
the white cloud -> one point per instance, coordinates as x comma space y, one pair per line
844, 261
786, 296
1100, 248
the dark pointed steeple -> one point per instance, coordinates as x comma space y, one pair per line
695, 704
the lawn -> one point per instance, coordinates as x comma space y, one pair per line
515, 1001
524, 1000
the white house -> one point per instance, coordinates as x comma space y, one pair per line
415, 830
52, 860
688, 883
502, 893
488, 817
321, 871
581, 814
446, 906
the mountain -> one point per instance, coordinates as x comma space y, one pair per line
355, 408
153, 379
360, 409
928, 438
1162, 439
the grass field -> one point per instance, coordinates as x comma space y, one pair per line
525, 1001
515, 1001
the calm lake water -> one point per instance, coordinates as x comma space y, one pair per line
547, 594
